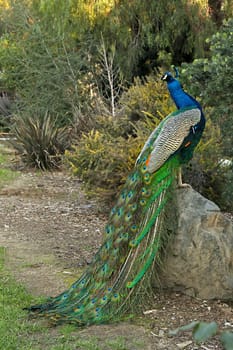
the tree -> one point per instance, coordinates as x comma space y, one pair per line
215, 8
211, 80
214, 81
47, 72
149, 34
109, 80
42, 64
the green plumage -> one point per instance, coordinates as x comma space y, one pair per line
119, 272
131, 243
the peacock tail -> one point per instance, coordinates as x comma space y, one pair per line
134, 232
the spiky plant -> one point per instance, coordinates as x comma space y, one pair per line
39, 141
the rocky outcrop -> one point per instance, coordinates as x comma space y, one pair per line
199, 257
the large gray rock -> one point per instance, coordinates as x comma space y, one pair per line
199, 257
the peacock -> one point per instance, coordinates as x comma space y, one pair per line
120, 270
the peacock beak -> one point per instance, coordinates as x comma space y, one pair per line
164, 77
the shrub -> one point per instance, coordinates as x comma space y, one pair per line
206, 160
39, 141
103, 162
147, 96
103, 157
211, 79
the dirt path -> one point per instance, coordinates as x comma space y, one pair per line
51, 232
49, 229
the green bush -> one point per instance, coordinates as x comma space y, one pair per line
103, 157
204, 166
208, 172
39, 141
211, 80
103, 162
147, 96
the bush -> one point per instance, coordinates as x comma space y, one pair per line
39, 141
208, 172
205, 162
147, 96
211, 79
103, 162
103, 157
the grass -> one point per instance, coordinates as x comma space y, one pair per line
6, 174
17, 332
13, 320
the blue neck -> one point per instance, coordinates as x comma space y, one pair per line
179, 96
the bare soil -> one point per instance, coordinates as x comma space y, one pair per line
51, 231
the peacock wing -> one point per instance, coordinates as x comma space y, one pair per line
174, 130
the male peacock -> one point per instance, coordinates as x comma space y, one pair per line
118, 272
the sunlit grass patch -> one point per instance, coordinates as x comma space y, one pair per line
13, 319
18, 332
6, 173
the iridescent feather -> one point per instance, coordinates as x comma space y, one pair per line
133, 233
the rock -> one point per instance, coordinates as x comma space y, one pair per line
199, 258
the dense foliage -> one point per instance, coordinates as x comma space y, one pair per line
212, 79
89, 65
40, 67
104, 156
213, 82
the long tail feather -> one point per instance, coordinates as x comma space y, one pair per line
132, 240
134, 234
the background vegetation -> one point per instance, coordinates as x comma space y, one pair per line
83, 76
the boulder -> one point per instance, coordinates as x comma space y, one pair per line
199, 257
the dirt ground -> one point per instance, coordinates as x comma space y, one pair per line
51, 231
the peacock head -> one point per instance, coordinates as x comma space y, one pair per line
167, 77
173, 84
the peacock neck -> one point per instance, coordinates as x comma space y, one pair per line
180, 97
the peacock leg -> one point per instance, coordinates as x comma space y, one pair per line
180, 183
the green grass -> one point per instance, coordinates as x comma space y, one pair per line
13, 320
6, 174
4, 155
18, 332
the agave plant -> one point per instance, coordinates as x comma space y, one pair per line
39, 141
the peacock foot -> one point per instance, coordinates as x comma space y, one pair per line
183, 185
180, 183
